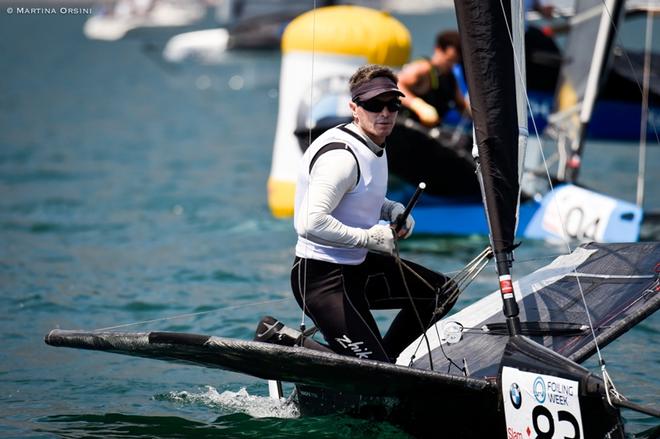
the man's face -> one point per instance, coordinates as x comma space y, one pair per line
448, 57
376, 124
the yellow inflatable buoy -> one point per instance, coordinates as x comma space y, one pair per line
320, 50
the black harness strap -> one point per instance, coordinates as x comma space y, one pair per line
364, 142
333, 146
352, 134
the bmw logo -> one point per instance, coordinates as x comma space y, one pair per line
539, 390
516, 396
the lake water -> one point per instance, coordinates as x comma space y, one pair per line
133, 191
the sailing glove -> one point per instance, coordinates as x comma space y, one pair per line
427, 115
381, 239
406, 230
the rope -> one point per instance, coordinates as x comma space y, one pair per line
625, 53
464, 278
309, 142
641, 167
400, 264
610, 389
180, 316
457, 284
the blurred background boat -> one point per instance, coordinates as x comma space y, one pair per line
259, 25
114, 20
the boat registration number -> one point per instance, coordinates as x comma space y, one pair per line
540, 406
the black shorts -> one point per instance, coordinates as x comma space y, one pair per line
338, 298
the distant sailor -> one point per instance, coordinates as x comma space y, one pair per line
429, 84
344, 264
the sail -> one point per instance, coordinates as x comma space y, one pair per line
586, 54
581, 42
490, 70
620, 283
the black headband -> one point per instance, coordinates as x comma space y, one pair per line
373, 88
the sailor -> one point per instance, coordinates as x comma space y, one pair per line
345, 262
430, 86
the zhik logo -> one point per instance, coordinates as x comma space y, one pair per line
347, 343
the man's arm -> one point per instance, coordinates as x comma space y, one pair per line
462, 104
411, 80
333, 175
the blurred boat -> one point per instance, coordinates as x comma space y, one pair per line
243, 25
114, 21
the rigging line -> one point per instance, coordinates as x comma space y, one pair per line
179, 316
471, 269
625, 53
424, 281
610, 389
437, 332
460, 281
473, 265
538, 138
609, 384
461, 287
459, 274
412, 301
309, 142
540, 258
641, 168
606, 378
442, 349
421, 339
444, 354
451, 362
518, 70
564, 234
414, 273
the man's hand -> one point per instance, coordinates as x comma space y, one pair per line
407, 228
427, 115
381, 239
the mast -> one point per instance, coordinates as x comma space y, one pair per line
641, 173
500, 122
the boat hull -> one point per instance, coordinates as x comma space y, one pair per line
446, 413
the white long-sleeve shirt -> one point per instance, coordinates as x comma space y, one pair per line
335, 208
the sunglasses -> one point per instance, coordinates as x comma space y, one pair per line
376, 106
